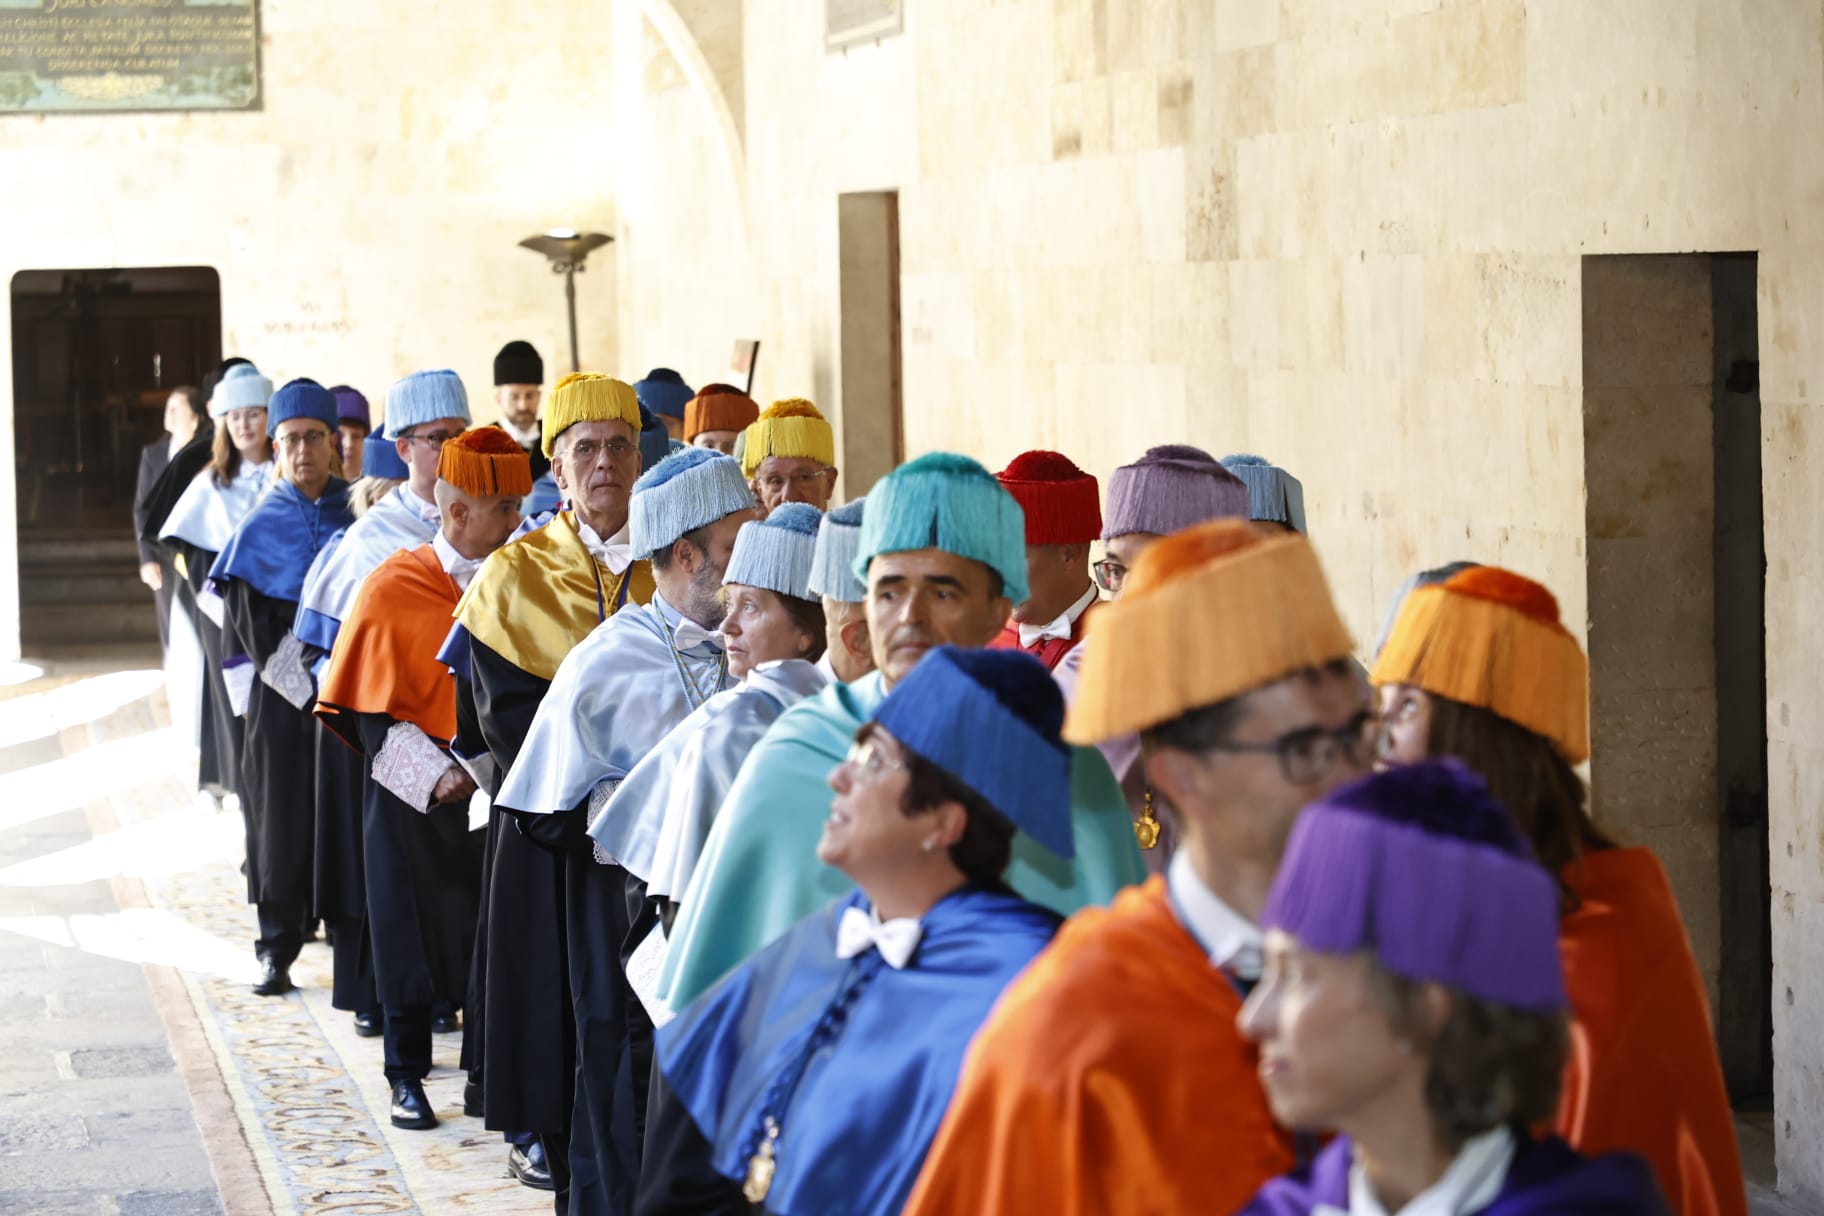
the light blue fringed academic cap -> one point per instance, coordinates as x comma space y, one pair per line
775, 552
948, 502
1274, 495
242, 387
685, 491
833, 565
424, 397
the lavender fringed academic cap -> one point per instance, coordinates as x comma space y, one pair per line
1422, 866
1169, 489
991, 719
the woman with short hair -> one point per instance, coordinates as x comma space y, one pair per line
1413, 1003
1479, 667
813, 1077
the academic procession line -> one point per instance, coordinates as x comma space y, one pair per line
778, 855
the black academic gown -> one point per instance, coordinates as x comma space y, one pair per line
424, 886
219, 760
526, 1036
154, 459
278, 760
680, 1177
338, 882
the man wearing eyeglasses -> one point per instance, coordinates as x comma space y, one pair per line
1228, 658
758, 874
790, 455
426, 409
260, 575
533, 600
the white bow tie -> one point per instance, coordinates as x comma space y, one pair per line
463, 570
859, 932
688, 635
1032, 635
616, 557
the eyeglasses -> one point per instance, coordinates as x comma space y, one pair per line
586, 450
436, 440
870, 757
805, 480
1110, 574
302, 439
1306, 756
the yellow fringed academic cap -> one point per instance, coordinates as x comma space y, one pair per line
1219, 609
484, 462
589, 397
793, 428
1491, 638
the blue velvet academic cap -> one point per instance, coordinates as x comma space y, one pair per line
990, 719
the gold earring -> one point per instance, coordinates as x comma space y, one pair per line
1146, 828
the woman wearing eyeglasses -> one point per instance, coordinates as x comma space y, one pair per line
260, 576
1168, 489
1479, 668
813, 1077
198, 527
1412, 1002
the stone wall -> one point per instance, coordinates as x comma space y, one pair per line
365, 219
1347, 236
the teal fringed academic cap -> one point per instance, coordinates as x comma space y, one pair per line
687, 490
775, 552
945, 501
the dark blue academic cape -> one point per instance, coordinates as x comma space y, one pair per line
880, 1049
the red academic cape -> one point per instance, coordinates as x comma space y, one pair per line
1050, 651
1644, 1074
1110, 1079
385, 660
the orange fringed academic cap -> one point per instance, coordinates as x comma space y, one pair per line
1209, 613
1491, 638
485, 462
718, 407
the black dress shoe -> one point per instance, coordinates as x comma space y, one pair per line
528, 1165
370, 1025
274, 979
446, 1023
411, 1109
471, 1099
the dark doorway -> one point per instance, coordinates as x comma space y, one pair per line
1677, 576
96, 353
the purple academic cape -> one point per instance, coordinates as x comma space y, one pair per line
1546, 1179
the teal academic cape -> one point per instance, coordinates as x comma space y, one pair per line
759, 874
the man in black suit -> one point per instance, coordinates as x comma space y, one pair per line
185, 414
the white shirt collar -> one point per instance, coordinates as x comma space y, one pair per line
525, 438
1470, 1184
458, 567
1063, 627
255, 472
686, 634
427, 511
1234, 941
616, 552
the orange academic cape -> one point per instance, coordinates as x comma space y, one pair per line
1109, 1079
385, 660
1644, 1074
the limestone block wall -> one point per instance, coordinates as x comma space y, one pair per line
1346, 235
364, 220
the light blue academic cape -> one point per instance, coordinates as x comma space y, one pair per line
759, 874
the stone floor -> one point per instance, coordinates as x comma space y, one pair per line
140, 1077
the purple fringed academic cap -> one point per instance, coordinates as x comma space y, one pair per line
990, 718
351, 406
1169, 489
1422, 866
